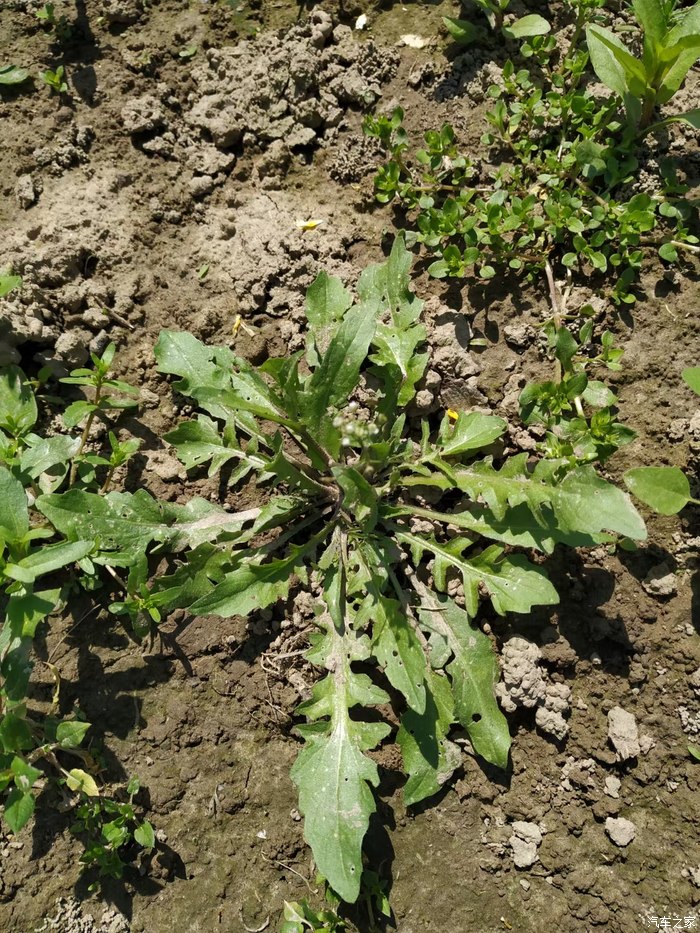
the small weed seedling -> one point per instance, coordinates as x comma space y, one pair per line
55, 80
113, 832
9, 282
58, 25
670, 49
465, 32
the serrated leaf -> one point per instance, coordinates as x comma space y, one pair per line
333, 775
473, 671
429, 758
388, 285
252, 587
181, 354
397, 649
513, 583
45, 453
664, 489
326, 303
18, 411
582, 502
200, 441
125, 524
14, 514
338, 373
469, 433
19, 808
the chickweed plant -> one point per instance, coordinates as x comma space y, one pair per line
557, 190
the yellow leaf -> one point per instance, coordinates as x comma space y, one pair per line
81, 780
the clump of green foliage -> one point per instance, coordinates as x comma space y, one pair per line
114, 832
555, 191
34, 747
55, 79
59, 26
671, 46
325, 430
400, 581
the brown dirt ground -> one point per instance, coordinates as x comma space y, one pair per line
204, 715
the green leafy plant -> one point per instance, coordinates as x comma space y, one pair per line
102, 401
113, 832
671, 46
465, 32
30, 554
553, 196
665, 489
300, 916
12, 74
60, 26
396, 586
55, 80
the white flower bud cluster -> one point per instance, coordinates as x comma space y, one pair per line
355, 430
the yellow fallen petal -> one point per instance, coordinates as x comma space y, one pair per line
310, 224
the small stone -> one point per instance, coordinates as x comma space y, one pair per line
518, 336
524, 841
524, 853
529, 832
620, 831
661, 581
612, 786
623, 734
25, 191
